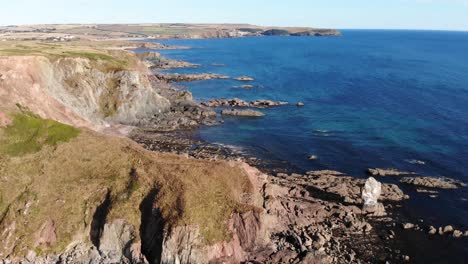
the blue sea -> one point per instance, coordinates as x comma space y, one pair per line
372, 99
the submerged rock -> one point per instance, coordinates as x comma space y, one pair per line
387, 172
417, 162
244, 78
426, 191
243, 113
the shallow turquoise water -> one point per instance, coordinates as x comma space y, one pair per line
372, 99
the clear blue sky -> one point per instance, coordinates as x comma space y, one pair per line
381, 14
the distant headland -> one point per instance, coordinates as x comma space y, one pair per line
70, 32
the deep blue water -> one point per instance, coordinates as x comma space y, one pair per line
372, 99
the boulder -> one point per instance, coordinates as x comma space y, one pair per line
407, 226
448, 229
371, 192
370, 195
457, 233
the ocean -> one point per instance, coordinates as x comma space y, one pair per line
372, 99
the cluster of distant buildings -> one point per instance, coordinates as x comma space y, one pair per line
62, 38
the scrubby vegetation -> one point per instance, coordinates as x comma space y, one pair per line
65, 185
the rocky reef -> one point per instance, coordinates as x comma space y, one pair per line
431, 182
236, 102
177, 77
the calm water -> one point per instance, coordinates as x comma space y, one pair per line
372, 99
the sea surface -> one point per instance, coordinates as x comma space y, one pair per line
372, 99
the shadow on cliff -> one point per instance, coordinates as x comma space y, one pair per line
152, 228
99, 220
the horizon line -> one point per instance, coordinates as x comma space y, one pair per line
211, 23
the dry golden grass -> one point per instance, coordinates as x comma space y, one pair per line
102, 55
66, 183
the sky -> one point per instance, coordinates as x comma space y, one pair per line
341, 14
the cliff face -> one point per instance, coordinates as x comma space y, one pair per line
79, 91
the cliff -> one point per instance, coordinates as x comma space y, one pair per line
81, 91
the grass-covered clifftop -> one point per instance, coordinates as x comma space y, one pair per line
55, 181
101, 57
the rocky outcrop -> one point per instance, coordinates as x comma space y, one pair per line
177, 77
155, 60
116, 246
441, 183
348, 189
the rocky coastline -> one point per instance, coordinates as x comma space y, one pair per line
322, 203
287, 216
378, 230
